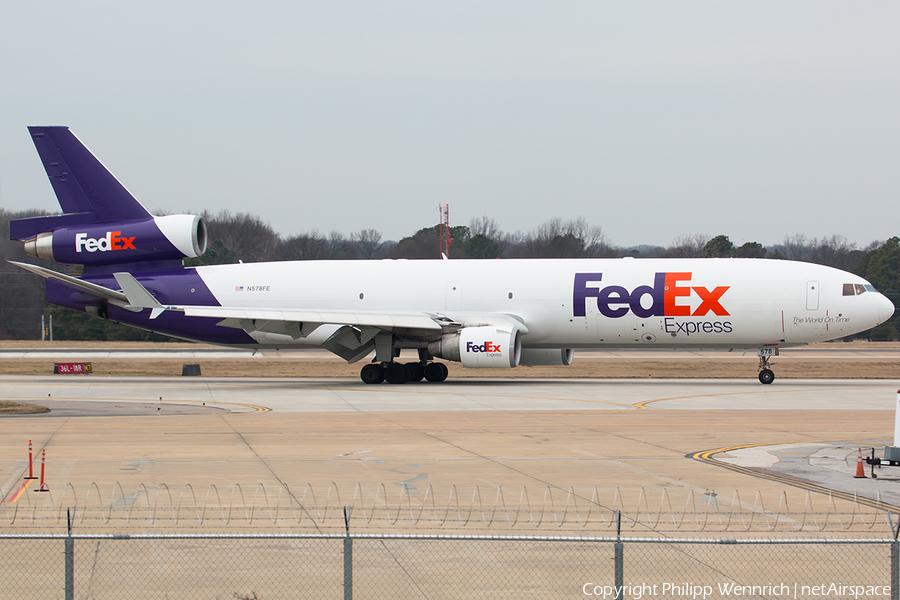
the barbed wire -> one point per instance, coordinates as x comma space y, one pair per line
486, 508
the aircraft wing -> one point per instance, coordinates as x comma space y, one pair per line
352, 339
300, 323
383, 321
354, 336
348, 335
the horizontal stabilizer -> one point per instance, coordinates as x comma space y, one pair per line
85, 286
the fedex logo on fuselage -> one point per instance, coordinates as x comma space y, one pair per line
665, 294
112, 241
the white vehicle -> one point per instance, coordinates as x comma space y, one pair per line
481, 313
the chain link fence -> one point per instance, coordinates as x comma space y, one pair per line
275, 566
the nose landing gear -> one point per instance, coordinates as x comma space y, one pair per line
766, 375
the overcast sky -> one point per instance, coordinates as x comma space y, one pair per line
650, 119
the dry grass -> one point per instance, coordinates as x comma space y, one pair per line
14, 408
585, 368
598, 365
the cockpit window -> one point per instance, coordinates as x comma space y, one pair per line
855, 289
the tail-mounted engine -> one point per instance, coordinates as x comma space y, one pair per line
480, 347
153, 239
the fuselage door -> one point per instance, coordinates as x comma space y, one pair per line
812, 295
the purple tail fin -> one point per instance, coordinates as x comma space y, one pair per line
87, 192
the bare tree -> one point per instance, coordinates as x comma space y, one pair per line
796, 247
836, 251
366, 244
487, 227
338, 246
687, 246
559, 239
245, 235
306, 246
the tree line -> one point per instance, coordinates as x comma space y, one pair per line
245, 237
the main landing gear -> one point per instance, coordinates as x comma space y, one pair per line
394, 372
386, 368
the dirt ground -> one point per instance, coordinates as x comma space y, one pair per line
794, 363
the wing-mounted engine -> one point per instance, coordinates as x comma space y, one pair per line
95, 244
480, 347
556, 357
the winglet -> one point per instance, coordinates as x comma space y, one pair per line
138, 296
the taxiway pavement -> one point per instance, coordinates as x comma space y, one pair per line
634, 436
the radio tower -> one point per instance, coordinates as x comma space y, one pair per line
445, 240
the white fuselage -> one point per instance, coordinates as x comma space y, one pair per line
724, 303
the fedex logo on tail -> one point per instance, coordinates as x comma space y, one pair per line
667, 297
112, 241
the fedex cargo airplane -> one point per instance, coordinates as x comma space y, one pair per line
481, 313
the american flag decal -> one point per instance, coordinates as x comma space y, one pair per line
239, 288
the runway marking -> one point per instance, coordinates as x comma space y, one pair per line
257, 409
225, 385
705, 456
624, 407
478, 395
643, 404
18, 493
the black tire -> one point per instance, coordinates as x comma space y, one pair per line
766, 376
414, 372
436, 372
395, 373
372, 374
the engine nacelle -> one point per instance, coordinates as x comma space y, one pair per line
556, 357
159, 238
480, 347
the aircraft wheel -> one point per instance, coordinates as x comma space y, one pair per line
372, 374
414, 372
766, 376
436, 372
395, 373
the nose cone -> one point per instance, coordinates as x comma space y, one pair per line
885, 309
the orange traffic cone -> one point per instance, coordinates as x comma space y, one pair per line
860, 473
